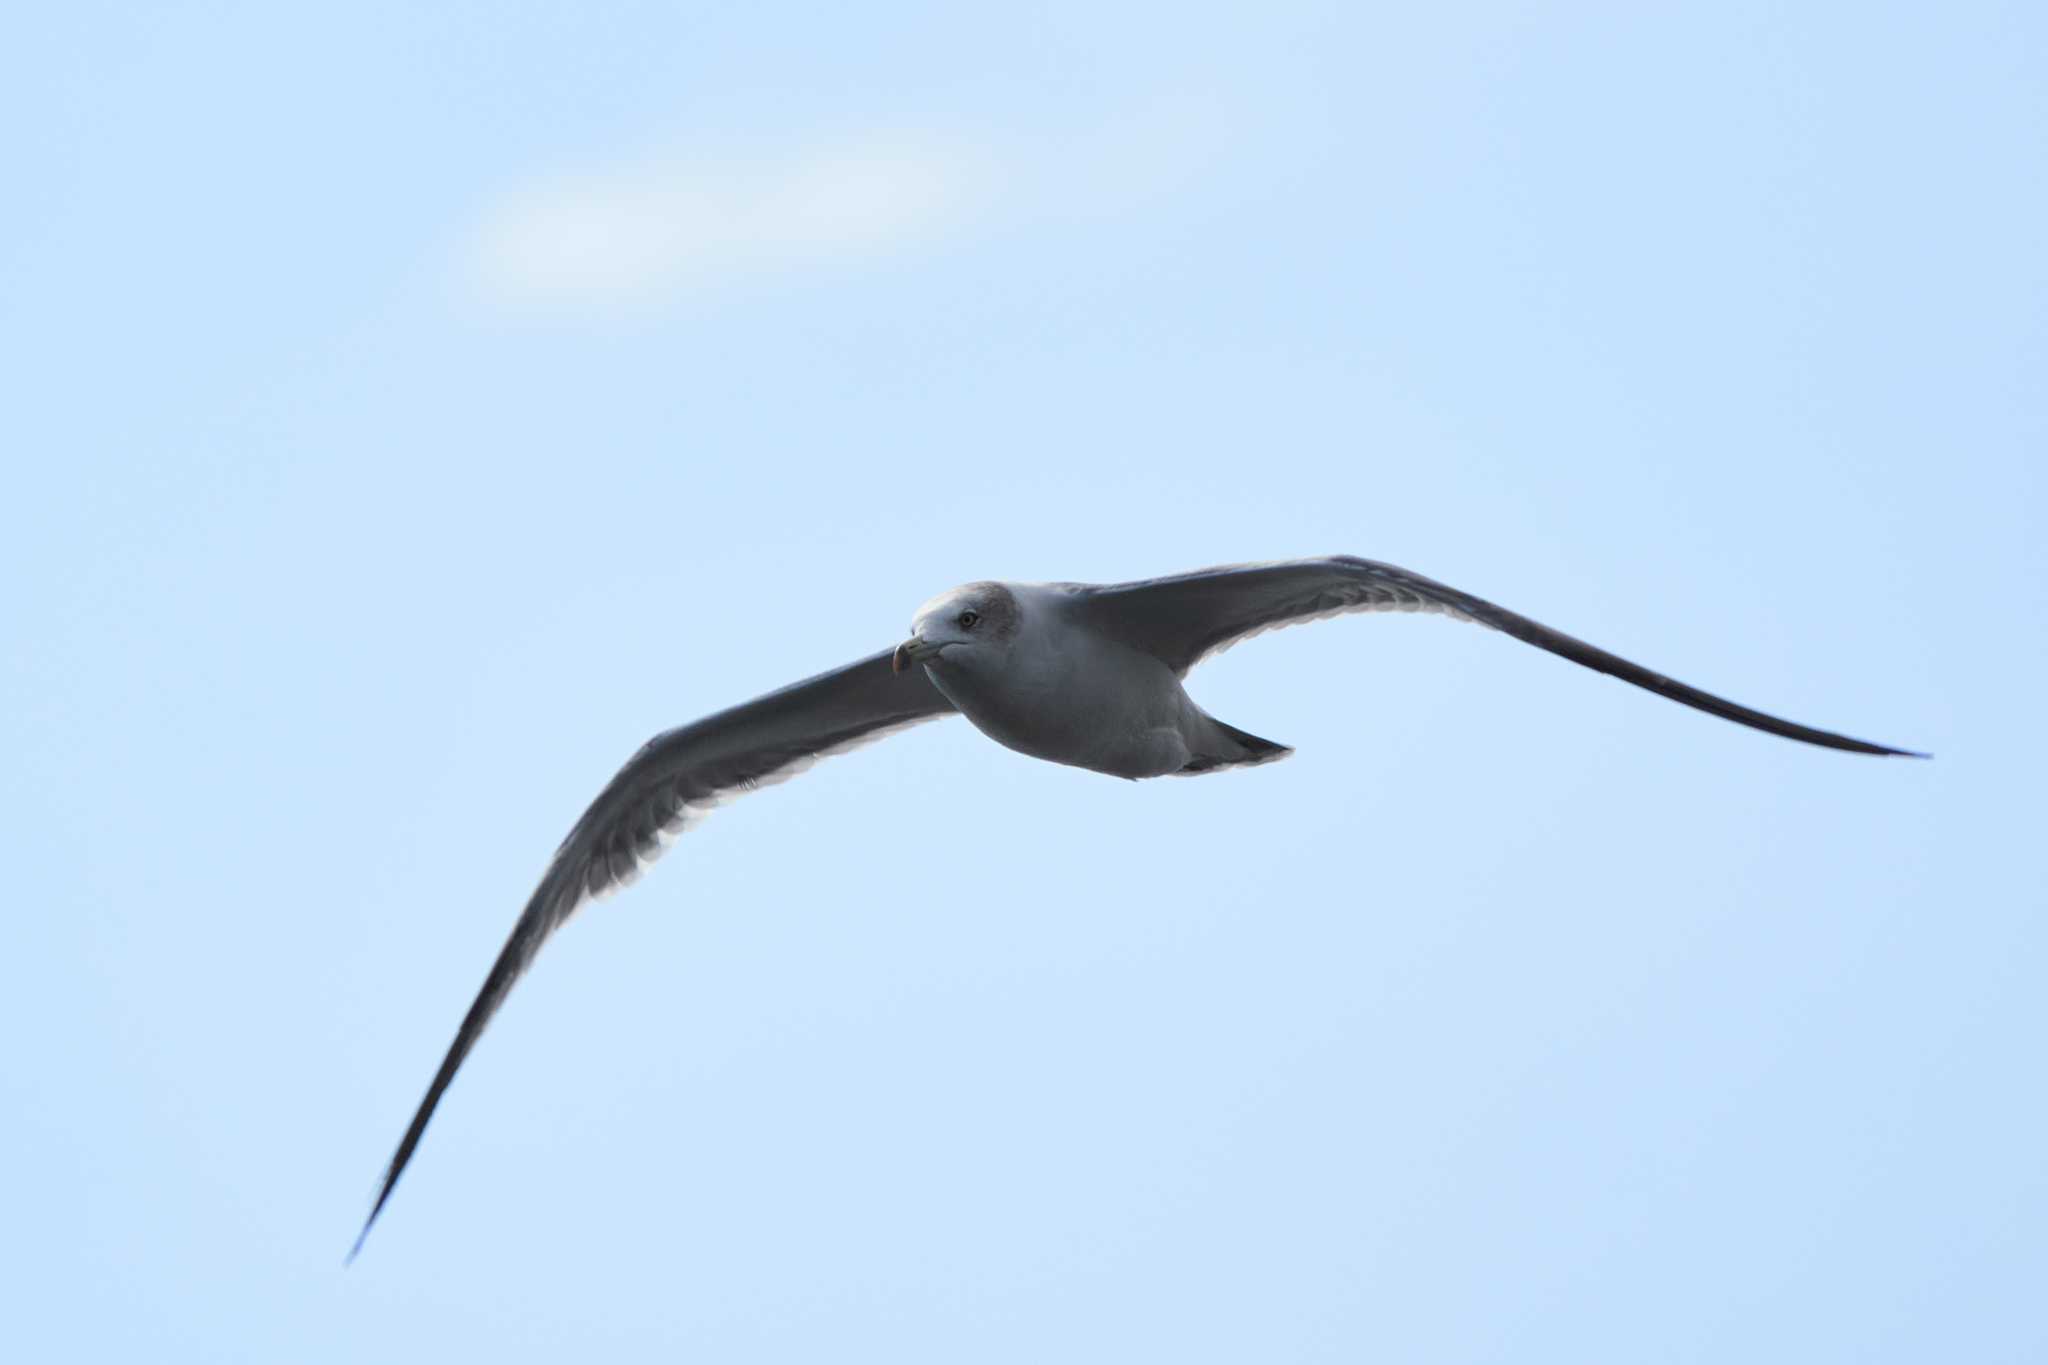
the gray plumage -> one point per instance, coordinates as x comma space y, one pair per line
1081, 674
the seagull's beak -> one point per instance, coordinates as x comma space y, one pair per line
915, 650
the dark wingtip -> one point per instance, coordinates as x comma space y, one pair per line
512, 960
1864, 746
382, 1195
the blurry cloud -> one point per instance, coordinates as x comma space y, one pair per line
637, 233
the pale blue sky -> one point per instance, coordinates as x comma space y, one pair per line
411, 409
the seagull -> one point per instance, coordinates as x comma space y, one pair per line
1076, 673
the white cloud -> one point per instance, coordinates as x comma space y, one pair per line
633, 235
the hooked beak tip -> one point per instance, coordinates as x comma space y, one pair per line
915, 650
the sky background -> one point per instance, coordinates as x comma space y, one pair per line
410, 409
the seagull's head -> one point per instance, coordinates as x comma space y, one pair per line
968, 627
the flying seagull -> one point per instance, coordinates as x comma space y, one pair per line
1076, 673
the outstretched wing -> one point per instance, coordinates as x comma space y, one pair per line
1184, 619
675, 777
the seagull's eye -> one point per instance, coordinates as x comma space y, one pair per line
968, 619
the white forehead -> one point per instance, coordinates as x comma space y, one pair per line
943, 601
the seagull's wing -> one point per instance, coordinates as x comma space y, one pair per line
1184, 619
676, 776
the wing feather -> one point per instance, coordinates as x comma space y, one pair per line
671, 782
1184, 619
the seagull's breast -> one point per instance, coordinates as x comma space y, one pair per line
1065, 694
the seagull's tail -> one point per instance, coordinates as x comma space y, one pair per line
1234, 749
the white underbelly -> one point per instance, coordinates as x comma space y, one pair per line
1119, 722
